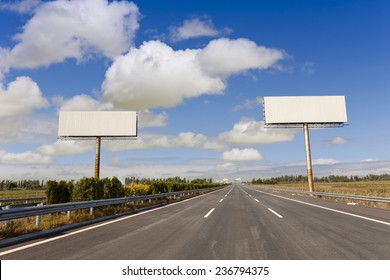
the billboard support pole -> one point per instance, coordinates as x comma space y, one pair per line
308, 157
97, 157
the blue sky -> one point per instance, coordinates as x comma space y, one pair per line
195, 72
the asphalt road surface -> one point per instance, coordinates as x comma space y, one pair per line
237, 222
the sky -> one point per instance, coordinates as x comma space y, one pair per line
195, 72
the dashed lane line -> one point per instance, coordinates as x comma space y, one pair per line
96, 226
274, 212
208, 214
327, 208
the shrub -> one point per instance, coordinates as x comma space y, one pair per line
136, 189
112, 188
88, 189
58, 192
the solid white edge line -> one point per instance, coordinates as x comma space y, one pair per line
329, 209
97, 226
208, 214
280, 216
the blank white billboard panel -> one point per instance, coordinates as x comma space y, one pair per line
304, 109
97, 123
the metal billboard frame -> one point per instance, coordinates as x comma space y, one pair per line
73, 122
309, 123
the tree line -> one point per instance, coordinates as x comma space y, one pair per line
177, 179
285, 179
95, 188
37, 184
21, 184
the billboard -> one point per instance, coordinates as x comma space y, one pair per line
290, 110
97, 124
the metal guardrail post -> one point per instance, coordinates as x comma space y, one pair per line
38, 218
8, 221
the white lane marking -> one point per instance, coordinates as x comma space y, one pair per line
97, 226
208, 214
329, 209
257, 200
225, 195
250, 195
277, 214
221, 200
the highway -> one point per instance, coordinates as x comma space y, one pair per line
237, 222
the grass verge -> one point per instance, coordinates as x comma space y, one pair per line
369, 188
18, 227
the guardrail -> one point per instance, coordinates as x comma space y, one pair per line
337, 195
26, 200
11, 214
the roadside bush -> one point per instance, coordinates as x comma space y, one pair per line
93, 189
58, 192
112, 188
88, 189
159, 187
136, 189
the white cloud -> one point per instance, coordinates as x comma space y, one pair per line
192, 140
72, 29
11, 130
225, 57
193, 28
155, 75
192, 169
23, 158
22, 7
20, 98
66, 148
226, 167
83, 102
308, 67
325, 161
248, 131
241, 155
368, 160
31, 129
152, 140
147, 118
249, 104
336, 141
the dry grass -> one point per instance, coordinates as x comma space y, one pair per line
27, 225
22, 226
371, 188
375, 188
8, 194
